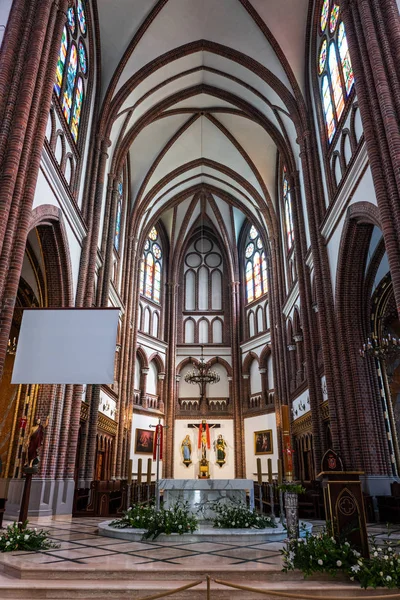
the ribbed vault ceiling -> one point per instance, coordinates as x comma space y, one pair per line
199, 95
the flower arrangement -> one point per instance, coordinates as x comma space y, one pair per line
291, 488
321, 553
238, 516
177, 519
17, 536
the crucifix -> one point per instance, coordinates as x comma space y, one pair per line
204, 444
157, 456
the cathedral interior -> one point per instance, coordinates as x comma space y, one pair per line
226, 174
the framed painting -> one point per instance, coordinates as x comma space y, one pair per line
263, 442
144, 441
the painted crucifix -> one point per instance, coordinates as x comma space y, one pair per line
204, 444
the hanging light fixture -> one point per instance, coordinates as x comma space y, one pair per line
386, 349
201, 375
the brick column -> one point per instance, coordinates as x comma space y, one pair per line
20, 159
373, 33
237, 392
171, 394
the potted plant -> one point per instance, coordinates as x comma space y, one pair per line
291, 492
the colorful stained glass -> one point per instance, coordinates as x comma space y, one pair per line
328, 109
253, 233
289, 223
71, 19
147, 245
149, 275
141, 284
120, 188
335, 80
345, 58
69, 87
324, 14
334, 18
81, 17
322, 57
61, 62
259, 244
157, 282
249, 250
264, 273
257, 275
153, 235
157, 251
76, 116
249, 282
82, 58
118, 225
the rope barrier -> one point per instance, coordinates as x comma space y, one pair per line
298, 596
171, 592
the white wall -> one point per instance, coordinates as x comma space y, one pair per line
151, 387
5, 6
255, 378
252, 424
181, 430
143, 422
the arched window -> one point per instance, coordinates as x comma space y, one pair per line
150, 272
117, 234
72, 67
255, 266
334, 66
287, 202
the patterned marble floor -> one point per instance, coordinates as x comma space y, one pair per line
79, 543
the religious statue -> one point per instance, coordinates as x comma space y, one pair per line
186, 448
204, 443
219, 447
35, 441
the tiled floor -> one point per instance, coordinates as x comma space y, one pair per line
79, 543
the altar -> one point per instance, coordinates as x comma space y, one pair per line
202, 493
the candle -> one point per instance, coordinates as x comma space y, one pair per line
279, 471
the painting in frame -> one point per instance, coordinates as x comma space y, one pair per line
263, 442
144, 441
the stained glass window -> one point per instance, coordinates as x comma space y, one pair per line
71, 19
117, 234
334, 18
82, 57
335, 80
256, 266
72, 61
61, 62
324, 14
81, 17
287, 201
76, 116
69, 87
345, 59
322, 57
151, 267
334, 66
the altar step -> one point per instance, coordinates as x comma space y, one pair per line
135, 590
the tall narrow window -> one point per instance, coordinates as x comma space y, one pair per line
117, 234
72, 67
287, 201
255, 266
333, 66
151, 268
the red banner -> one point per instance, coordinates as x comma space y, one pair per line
158, 436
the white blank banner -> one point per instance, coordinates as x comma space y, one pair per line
69, 345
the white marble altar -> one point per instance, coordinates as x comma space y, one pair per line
201, 493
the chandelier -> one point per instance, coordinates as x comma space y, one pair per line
201, 374
386, 349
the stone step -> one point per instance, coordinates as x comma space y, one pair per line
121, 590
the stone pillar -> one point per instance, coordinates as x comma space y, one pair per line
143, 386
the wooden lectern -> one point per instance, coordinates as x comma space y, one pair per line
344, 504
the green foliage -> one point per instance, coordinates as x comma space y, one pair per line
291, 488
177, 519
321, 553
238, 516
17, 536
